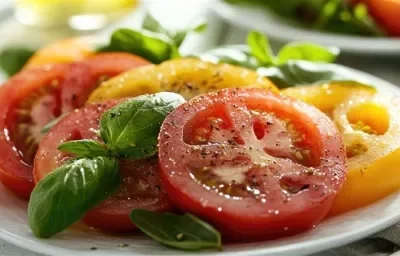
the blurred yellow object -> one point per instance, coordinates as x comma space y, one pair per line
66, 50
47, 13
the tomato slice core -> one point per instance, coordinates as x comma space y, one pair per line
253, 163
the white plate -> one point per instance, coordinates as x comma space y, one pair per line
330, 233
249, 17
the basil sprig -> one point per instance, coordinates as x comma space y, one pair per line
152, 46
260, 48
68, 192
258, 53
129, 130
185, 232
153, 42
297, 72
178, 36
295, 64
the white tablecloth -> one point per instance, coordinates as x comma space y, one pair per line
177, 13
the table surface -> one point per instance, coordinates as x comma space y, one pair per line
170, 12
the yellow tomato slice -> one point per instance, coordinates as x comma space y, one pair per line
189, 77
329, 95
66, 50
368, 184
370, 127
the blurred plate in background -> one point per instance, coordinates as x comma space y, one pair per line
249, 17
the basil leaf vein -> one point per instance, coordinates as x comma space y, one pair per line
131, 128
67, 193
185, 232
260, 48
84, 148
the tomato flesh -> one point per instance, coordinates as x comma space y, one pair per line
17, 117
140, 187
36, 96
254, 164
85, 76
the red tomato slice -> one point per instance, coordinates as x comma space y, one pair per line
386, 13
27, 102
34, 97
254, 164
140, 188
85, 76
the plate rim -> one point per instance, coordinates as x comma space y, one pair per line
347, 43
317, 245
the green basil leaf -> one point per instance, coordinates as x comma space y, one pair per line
152, 46
88, 148
12, 59
238, 55
260, 48
185, 232
294, 73
151, 24
66, 194
50, 124
130, 129
307, 51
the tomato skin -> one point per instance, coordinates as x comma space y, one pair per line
140, 186
83, 77
15, 173
62, 51
248, 218
113, 217
113, 63
81, 123
386, 13
71, 85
